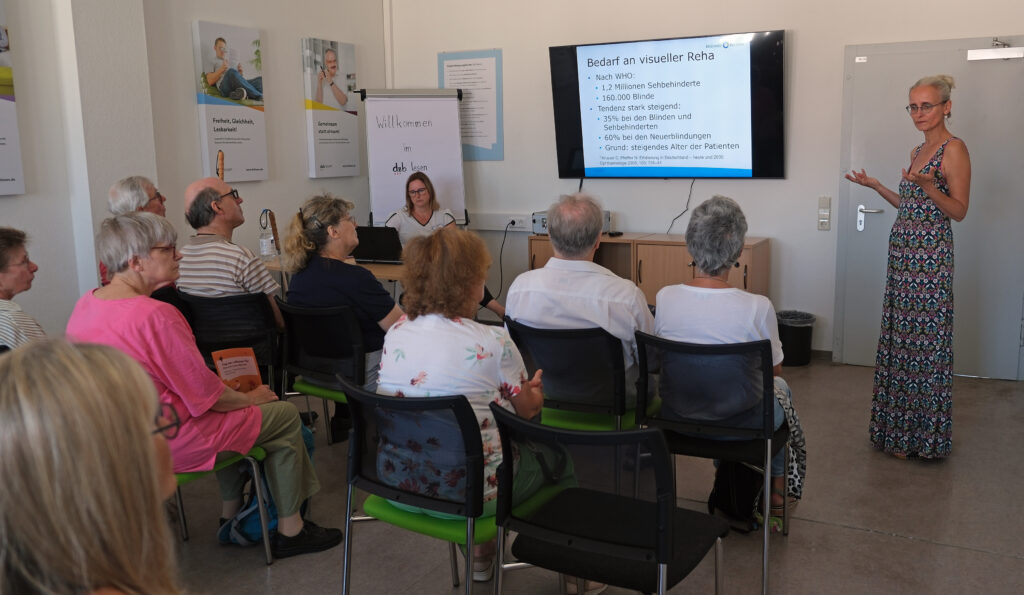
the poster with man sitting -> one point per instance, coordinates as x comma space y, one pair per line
229, 94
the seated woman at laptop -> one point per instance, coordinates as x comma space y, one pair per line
422, 215
321, 236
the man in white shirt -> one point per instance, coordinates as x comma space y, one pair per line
571, 291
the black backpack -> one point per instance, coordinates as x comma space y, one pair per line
736, 494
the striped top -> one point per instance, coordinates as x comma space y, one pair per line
17, 327
211, 266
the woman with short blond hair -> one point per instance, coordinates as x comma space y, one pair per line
85, 469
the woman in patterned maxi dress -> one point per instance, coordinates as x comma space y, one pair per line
911, 411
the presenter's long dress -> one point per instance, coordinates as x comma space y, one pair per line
912, 408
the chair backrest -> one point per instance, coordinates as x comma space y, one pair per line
320, 343
234, 321
591, 481
171, 295
583, 368
420, 451
709, 389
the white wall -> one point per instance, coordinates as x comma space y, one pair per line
803, 259
283, 24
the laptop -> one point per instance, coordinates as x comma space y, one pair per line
378, 245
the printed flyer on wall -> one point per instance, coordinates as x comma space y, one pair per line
332, 119
11, 180
229, 94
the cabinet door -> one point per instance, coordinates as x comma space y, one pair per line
658, 265
753, 271
739, 276
540, 251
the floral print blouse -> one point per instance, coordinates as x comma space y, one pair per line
435, 356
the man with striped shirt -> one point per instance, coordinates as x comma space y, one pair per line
211, 265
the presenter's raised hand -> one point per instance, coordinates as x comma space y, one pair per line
919, 178
862, 178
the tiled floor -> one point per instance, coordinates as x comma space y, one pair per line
869, 523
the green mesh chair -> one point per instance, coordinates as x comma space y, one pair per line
254, 457
319, 344
584, 376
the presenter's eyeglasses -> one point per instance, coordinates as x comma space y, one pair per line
417, 192
167, 422
233, 193
924, 108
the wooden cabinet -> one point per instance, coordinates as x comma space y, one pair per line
653, 261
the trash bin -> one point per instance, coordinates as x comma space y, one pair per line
795, 333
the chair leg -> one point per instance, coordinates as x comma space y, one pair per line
346, 568
719, 567
182, 525
261, 503
327, 421
470, 539
785, 494
499, 561
766, 502
662, 579
453, 557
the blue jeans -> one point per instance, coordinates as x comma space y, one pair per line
232, 80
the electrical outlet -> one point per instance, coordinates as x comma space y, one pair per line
520, 223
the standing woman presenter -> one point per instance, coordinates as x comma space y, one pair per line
912, 406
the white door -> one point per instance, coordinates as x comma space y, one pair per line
878, 135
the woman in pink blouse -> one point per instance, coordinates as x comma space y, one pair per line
438, 349
140, 250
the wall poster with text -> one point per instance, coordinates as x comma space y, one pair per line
332, 117
229, 94
11, 177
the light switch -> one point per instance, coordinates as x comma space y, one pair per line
824, 213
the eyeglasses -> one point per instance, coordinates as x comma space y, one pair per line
924, 108
170, 248
233, 193
159, 196
167, 422
417, 192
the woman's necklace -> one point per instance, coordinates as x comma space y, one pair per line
707, 279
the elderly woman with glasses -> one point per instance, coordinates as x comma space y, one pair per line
423, 215
708, 310
128, 195
86, 469
912, 403
321, 237
16, 275
141, 251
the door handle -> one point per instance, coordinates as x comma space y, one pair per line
860, 215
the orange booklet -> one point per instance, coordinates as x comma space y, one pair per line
238, 367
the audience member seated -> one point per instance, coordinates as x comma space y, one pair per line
321, 237
86, 468
16, 274
422, 215
437, 349
134, 193
571, 291
211, 265
141, 251
708, 310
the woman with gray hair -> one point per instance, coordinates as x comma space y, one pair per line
128, 195
16, 275
709, 310
321, 237
215, 419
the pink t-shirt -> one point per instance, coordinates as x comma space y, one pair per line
156, 335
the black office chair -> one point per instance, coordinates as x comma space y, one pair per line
702, 384
235, 321
584, 375
382, 424
171, 295
630, 535
319, 344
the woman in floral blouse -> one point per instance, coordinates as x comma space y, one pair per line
438, 349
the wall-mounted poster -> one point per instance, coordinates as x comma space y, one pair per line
478, 75
11, 180
229, 93
332, 120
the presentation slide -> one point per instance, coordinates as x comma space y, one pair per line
669, 108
